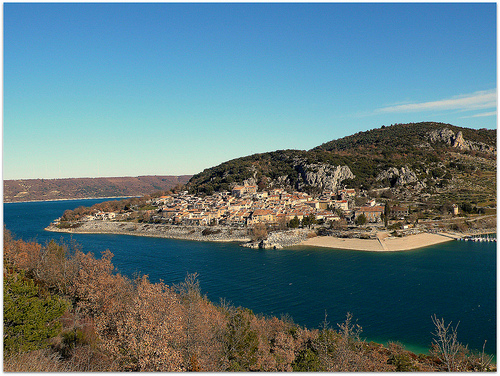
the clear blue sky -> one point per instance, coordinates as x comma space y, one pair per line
168, 89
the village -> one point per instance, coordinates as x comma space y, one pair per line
245, 206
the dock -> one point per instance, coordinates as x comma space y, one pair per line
478, 239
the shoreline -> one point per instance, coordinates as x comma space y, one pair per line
194, 233
67, 199
276, 240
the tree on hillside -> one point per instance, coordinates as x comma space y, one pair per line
30, 319
387, 212
294, 222
282, 223
361, 220
241, 342
309, 220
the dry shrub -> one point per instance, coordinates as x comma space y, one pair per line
402, 360
454, 356
311, 234
77, 332
202, 348
34, 361
259, 232
276, 350
88, 359
341, 351
20, 254
98, 290
149, 334
84, 360
55, 268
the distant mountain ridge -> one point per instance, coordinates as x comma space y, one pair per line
75, 188
412, 158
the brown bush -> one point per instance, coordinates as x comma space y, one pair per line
85, 359
202, 349
20, 255
311, 234
149, 333
259, 232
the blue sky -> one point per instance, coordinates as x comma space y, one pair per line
94, 89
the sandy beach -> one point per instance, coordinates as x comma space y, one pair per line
383, 243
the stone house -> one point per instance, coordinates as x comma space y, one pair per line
262, 215
240, 191
341, 204
373, 214
399, 211
346, 193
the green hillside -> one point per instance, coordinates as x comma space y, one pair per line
403, 137
443, 164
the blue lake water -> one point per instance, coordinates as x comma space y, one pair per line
392, 295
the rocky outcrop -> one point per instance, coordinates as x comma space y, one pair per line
448, 137
320, 175
444, 135
251, 181
323, 176
401, 177
280, 239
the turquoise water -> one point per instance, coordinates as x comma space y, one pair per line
392, 295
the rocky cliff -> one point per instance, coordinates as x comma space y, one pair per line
318, 175
448, 137
400, 177
322, 176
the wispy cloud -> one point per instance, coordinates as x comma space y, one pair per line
492, 113
479, 100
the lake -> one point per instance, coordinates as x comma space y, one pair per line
392, 295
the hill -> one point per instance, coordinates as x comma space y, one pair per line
74, 188
408, 161
412, 136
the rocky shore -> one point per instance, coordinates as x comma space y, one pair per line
275, 240
281, 239
373, 241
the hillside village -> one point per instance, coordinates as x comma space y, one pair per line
246, 206
406, 178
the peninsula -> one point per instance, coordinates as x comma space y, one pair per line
268, 219
394, 188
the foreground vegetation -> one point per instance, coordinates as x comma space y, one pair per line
65, 310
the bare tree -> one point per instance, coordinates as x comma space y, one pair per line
482, 361
446, 346
259, 232
349, 348
341, 351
